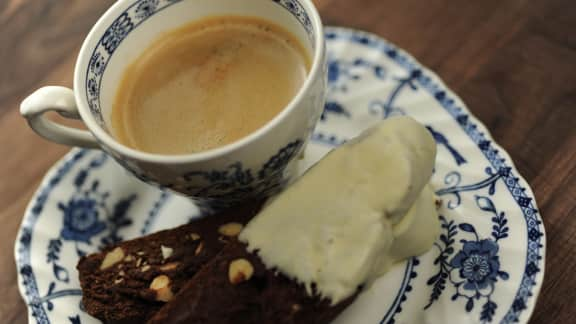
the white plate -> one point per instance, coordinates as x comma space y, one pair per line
486, 267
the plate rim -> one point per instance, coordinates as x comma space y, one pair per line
74, 154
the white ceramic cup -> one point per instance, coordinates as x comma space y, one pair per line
251, 167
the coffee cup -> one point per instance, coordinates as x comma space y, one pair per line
253, 166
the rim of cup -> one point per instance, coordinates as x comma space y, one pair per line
108, 140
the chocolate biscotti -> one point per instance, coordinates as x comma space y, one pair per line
131, 281
235, 287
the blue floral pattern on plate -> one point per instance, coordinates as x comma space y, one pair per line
477, 263
473, 274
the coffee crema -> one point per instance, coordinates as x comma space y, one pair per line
208, 84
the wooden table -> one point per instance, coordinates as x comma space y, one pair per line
512, 61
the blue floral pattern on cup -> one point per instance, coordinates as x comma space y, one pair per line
237, 183
117, 32
135, 15
97, 63
297, 10
146, 8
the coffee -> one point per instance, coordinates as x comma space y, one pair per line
208, 84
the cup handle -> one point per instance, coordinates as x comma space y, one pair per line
60, 100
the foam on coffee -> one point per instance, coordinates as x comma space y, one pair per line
208, 84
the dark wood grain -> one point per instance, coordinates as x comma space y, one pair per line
513, 62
